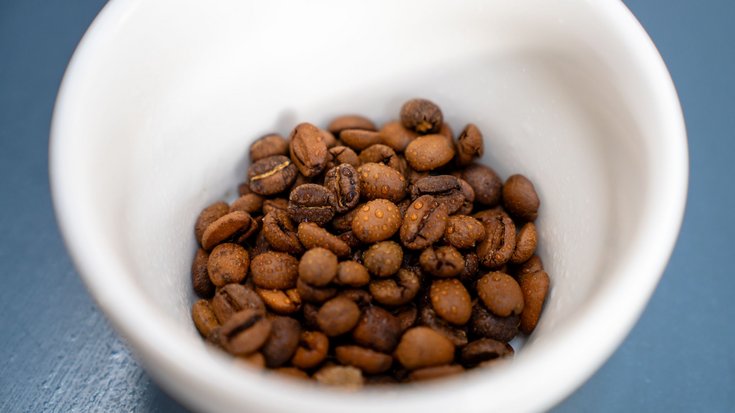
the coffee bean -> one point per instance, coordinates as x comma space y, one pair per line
359, 139
229, 226
381, 181
340, 155
337, 125
274, 270
329, 139
445, 189
244, 188
233, 298
469, 198
204, 319
256, 360
260, 246
468, 276
376, 221
271, 175
340, 376
228, 263
245, 332
351, 273
350, 239
451, 301
463, 231
250, 203
278, 204
407, 316
383, 258
269, 145
203, 286
437, 372
313, 236
488, 325
532, 265
281, 301
424, 223
469, 145
344, 183
485, 182
456, 334
484, 349
534, 286
377, 329
500, 293
422, 116
208, 216
313, 294
281, 233
293, 373
526, 240
318, 267
283, 341
382, 154
311, 203
308, 149
394, 135
429, 152
500, 242
338, 316
369, 361
360, 297
443, 261
488, 215
423, 347
312, 350
343, 223
398, 290
520, 198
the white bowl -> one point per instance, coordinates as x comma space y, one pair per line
162, 98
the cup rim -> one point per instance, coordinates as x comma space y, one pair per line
163, 344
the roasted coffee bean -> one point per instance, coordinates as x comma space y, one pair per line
423, 347
281, 301
487, 325
232, 225
245, 332
250, 203
424, 223
382, 154
207, 217
233, 298
463, 231
274, 270
488, 215
469, 145
383, 259
269, 145
500, 241
312, 294
407, 316
532, 265
308, 149
260, 246
443, 261
293, 373
468, 276
278, 204
318, 267
469, 198
204, 319
500, 293
394, 135
422, 116
329, 139
377, 329
485, 182
534, 286
244, 188
526, 240
484, 349
343, 223
520, 198
456, 334
313, 236
312, 350
351, 273
437, 372
445, 189
344, 183
381, 181
311, 203
350, 239
203, 286
338, 316
397, 290
280, 233
451, 301
283, 341
369, 361
228, 263
359, 139
360, 297
429, 152
271, 175
254, 360
340, 376
377, 220
341, 123
340, 155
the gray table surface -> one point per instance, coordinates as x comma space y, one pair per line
58, 353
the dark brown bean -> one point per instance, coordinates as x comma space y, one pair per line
485, 182
526, 240
423, 347
312, 350
376, 221
344, 183
463, 231
340, 376
203, 286
398, 290
443, 261
283, 341
469, 198
281, 301
451, 301
280, 233
456, 334
468, 276
313, 236
369, 361
422, 116
381, 181
532, 265
487, 325
360, 297
359, 139
353, 274
278, 204
445, 189
311, 203
271, 175
250, 203
233, 298
407, 316
269, 145
204, 319
429, 152
207, 216
308, 149
343, 223
338, 316
340, 155
383, 259
394, 135
500, 241
318, 267
244, 188
469, 145
520, 198
382, 154
377, 329
500, 293
437, 372
424, 223
229, 226
341, 123
245, 332
313, 294
485, 349
228, 263
274, 270
534, 286
329, 139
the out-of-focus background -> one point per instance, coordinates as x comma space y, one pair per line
58, 353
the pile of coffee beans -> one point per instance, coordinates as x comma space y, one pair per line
363, 255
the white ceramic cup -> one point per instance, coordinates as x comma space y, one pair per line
162, 99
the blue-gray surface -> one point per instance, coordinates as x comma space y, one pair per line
57, 352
